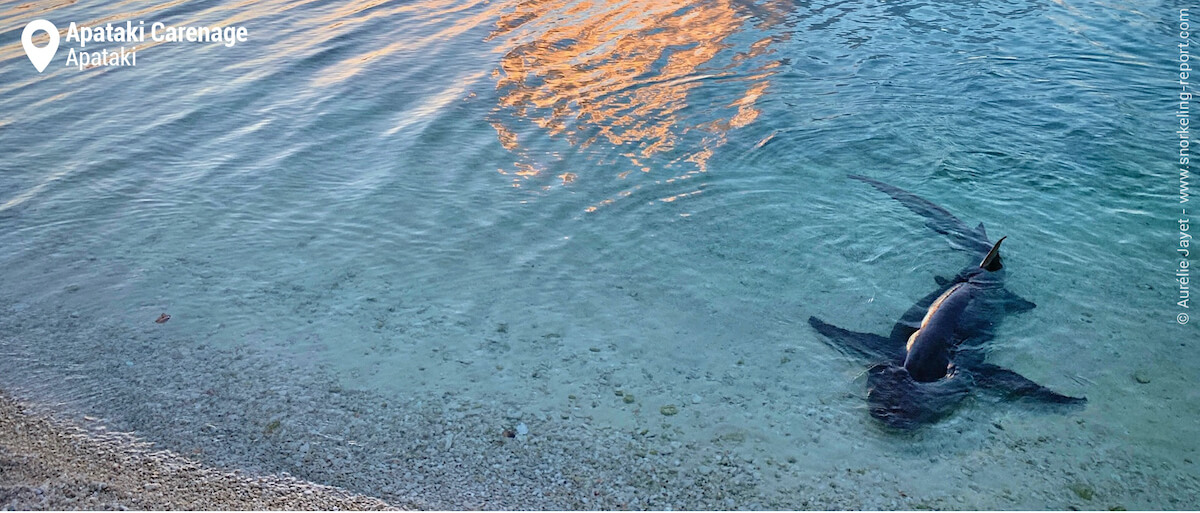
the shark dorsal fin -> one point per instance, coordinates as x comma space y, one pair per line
991, 262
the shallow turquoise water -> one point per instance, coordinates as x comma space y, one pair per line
533, 204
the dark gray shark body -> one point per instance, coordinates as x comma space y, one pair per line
935, 354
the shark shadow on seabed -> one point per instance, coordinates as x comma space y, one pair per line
935, 355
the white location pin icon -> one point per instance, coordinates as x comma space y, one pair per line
40, 56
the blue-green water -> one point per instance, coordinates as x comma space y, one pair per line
514, 210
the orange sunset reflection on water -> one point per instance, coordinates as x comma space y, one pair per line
631, 93
647, 86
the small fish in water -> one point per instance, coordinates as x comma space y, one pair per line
162, 318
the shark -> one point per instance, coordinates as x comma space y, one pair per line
935, 355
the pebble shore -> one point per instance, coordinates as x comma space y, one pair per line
49, 464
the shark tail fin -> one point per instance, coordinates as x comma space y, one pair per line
991, 262
937, 218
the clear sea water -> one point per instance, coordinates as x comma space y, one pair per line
530, 206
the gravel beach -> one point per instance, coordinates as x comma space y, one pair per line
47, 463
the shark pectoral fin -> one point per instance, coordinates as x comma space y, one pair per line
863, 345
981, 231
1016, 386
1014, 303
941, 281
